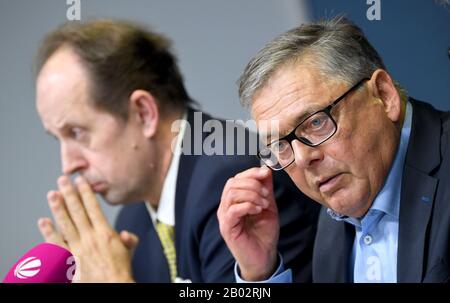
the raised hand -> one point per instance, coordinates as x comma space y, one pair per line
248, 220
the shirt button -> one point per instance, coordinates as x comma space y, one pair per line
367, 239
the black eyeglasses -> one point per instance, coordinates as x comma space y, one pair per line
312, 131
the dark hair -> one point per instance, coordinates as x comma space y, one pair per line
120, 57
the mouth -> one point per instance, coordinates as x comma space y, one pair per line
328, 183
98, 187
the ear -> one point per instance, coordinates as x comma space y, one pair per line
144, 109
384, 89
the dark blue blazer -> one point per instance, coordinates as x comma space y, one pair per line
202, 255
424, 222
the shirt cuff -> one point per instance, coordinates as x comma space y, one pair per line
280, 275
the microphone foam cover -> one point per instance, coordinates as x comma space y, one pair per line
44, 263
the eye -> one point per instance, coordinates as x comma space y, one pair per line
317, 122
279, 146
77, 133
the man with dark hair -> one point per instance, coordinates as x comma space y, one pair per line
377, 161
112, 94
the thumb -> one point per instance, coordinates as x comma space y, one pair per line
130, 240
266, 179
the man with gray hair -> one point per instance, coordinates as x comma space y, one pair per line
377, 161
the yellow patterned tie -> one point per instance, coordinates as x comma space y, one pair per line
166, 235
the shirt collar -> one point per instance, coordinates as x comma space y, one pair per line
388, 199
166, 206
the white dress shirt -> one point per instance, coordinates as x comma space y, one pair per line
165, 211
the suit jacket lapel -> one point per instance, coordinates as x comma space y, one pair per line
185, 171
149, 248
332, 250
417, 194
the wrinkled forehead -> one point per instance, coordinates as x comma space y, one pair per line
291, 94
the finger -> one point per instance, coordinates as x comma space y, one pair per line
231, 193
258, 173
237, 212
267, 181
129, 239
91, 204
249, 184
235, 195
50, 234
62, 218
74, 205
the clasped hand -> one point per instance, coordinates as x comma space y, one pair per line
102, 254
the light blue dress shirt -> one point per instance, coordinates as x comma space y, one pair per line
280, 275
374, 254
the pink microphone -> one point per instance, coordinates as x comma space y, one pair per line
44, 263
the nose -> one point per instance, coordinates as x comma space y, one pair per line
306, 156
72, 159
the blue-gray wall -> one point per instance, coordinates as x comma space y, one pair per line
213, 39
412, 37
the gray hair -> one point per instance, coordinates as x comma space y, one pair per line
337, 48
